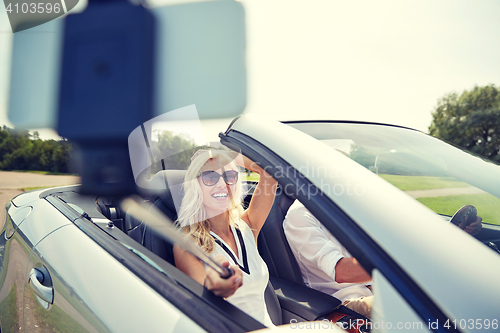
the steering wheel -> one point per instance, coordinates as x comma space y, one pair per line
464, 216
467, 215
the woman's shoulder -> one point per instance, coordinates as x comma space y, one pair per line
245, 229
242, 225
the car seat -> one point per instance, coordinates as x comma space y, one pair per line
273, 245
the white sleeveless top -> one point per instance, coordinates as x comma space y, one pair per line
250, 296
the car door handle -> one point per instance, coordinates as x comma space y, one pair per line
39, 277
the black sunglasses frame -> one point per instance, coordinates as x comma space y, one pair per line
224, 176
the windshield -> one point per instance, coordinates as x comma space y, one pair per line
439, 175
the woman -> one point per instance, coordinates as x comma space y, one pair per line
212, 213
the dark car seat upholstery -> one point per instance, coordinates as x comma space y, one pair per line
165, 201
170, 183
273, 245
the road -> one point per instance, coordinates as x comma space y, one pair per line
12, 183
443, 192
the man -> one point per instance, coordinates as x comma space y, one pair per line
326, 265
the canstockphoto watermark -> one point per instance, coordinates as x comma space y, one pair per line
311, 170
334, 181
26, 14
355, 324
477, 324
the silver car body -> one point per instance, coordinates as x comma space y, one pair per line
424, 269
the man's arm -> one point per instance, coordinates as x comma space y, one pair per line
349, 270
315, 248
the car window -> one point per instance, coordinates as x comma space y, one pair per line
440, 176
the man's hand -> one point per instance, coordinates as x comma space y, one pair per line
466, 219
474, 227
223, 287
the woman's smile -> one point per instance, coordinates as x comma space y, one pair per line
220, 195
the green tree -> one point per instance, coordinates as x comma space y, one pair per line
470, 120
21, 151
175, 150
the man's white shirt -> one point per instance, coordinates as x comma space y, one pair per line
317, 253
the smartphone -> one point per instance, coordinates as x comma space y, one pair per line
200, 60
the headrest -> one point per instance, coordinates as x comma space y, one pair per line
169, 187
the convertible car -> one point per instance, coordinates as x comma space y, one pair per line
71, 263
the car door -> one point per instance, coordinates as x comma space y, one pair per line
92, 291
74, 284
103, 280
27, 223
365, 214
14, 255
54, 277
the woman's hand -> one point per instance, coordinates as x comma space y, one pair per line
223, 287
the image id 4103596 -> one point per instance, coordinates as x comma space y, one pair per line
26, 14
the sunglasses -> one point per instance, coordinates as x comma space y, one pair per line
210, 178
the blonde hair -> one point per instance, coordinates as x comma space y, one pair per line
192, 215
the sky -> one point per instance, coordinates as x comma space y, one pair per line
384, 61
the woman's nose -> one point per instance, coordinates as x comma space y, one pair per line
220, 183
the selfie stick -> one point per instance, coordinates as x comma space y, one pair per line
160, 223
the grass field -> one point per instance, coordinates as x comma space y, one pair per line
26, 189
488, 206
253, 176
406, 183
44, 172
410, 183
